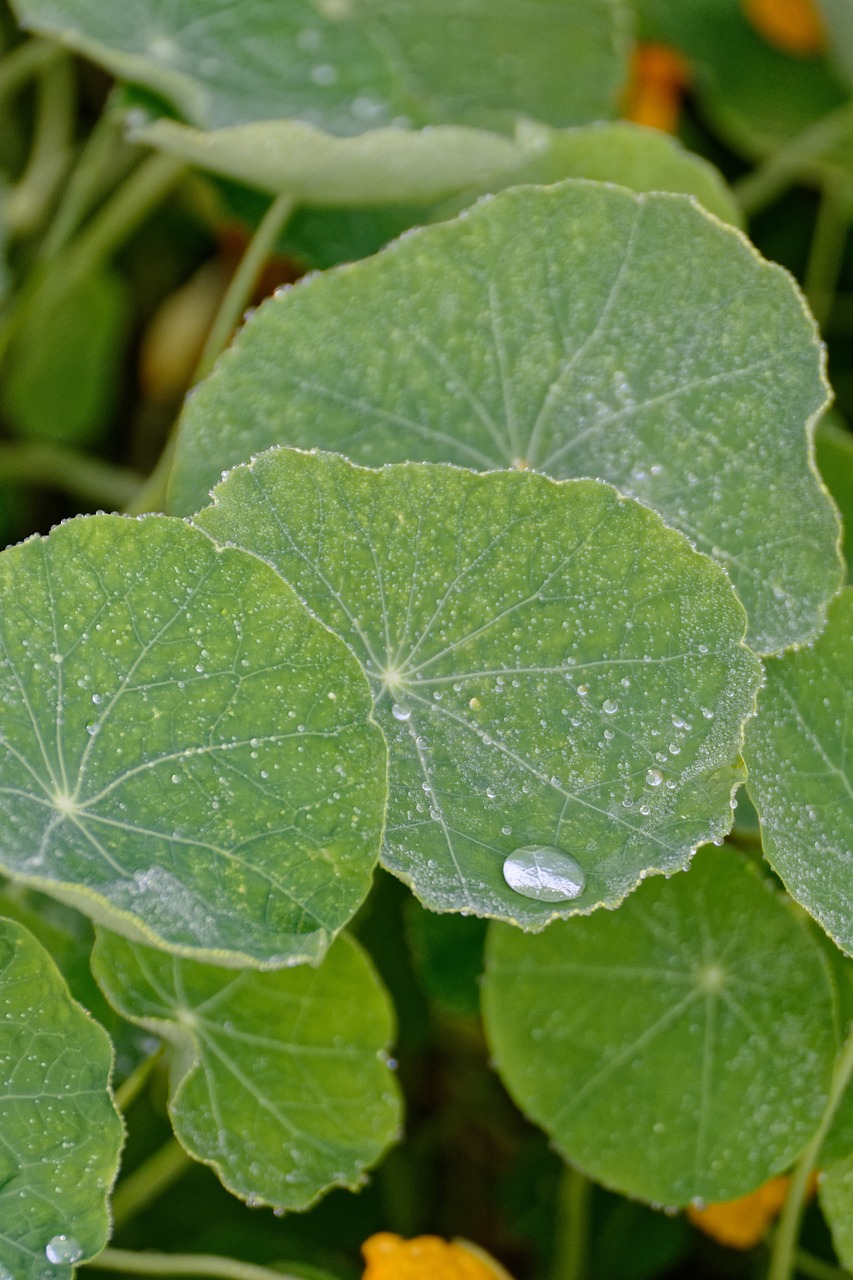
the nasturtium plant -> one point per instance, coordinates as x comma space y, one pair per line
541, 683
426, 826
61, 1133
200, 776
572, 337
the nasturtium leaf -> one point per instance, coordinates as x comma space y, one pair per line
838, 21
836, 1201
579, 330
186, 755
279, 1080
551, 665
61, 1133
60, 377
798, 751
680, 1048
834, 455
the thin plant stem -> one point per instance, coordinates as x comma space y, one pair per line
147, 1183
761, 187
573, 1203
90, 480
784, 1249
827, 249
89, 178
26, 60
123, 1261
130, 1089
29, 201
817, 1269
245, 278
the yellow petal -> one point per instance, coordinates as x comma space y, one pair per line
743, 1223
390, 1257
656, 86
794, 26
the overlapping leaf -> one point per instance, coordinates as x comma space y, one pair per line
279, 1080
550, 663
61, 1132
836, 1200
680, 1048
186, 754
798, 750
580, 330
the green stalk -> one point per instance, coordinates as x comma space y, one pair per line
243, 282
123, 1261
827, 249
95, 167
573, 1204
783, 1255
50, 156
761, 187
25, 61
147, 1183
817, 1269
130, 1089
90, 480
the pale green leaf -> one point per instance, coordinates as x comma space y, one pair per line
576, 329
838, 20
278, 1080
836, 1200
798, 751
681, 1048
551, 665
61, 1132
186, 755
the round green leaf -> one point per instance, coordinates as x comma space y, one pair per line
836, 1201
61, 1133
186, 755
798, 750
280, 1080
579, 330
680, 1049
550, 663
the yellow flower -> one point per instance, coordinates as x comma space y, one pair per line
743, 1223
659, 76
389, 1257
794, 26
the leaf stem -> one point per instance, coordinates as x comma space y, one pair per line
761, 187
130, 1089
25, 61
817, 1269
827, 248
153, 1177
572, 1229
783, 1254
87, 181
182, 1264
28, 202
90, 480
245, 278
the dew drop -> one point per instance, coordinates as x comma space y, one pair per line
543, 872
63, 1249
654, 778
400, 713
609, 707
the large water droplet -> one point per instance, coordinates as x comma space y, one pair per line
654, 777
400, 713
63, 1249
543, 872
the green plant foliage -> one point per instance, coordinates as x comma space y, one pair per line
278, 1080
838, 20
60, 379
680, 1049
556, 328
834, 453
551, 666
797, 750
186, 755
61, 1132
836, 1200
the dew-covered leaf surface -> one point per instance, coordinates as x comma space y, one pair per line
679, 1048
186, 755
577, 330
551, 665
278, 1080
61, 1134
350, 65
798, 751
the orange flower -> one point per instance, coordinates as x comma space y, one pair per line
743, 1223
389, 1257
656, 85
794, 26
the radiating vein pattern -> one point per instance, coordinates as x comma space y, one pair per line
185, 752
279, 1080
550, 664
60, 1135
800, 756
579, 330
656, 1046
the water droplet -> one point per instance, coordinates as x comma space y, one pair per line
654, 778
63, 1249
400, 713
583, 690
545, 873
491, 793
609, 707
